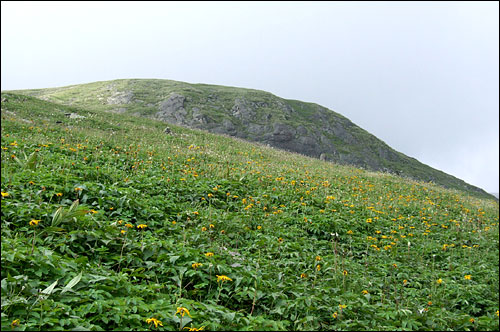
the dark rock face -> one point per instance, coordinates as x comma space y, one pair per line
172, 110
268, 122
282, 133
319, 132
243, 110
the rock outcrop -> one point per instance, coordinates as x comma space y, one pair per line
172, 110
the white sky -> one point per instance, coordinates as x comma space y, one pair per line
421, 76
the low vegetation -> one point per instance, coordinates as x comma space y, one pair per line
108, 223
309, 128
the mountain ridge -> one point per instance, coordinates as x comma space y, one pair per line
254, 115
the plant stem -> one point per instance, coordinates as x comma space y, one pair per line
33, 245
121, 254
254, 297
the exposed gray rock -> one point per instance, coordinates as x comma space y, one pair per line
258, 130
172, 110
228, 126
301, 130
307, 140
120, 97
74, 116
198, 117
282, 132
243, 110
119, 110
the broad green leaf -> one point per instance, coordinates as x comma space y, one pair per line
32, 160
72, 283
174, 258
73, 206
50, 289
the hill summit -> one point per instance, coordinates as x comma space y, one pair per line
253, 115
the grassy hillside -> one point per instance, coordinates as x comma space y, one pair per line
254, 115
108, 223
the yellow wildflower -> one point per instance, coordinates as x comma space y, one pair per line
468, 277
123, 232
303, 275
471, 320
59, 194
334, 315
209, 254
15, 323
203, 229
318, 258
194, 328
182, 311
211, 226
223, 278
318, 267
344, 272
364, 292
439, 281
342, 306
259, 227
129, 225
349, 232
142, 226
154, 321
34, 222
5, 194
196, 265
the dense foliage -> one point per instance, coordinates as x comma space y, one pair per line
108, 223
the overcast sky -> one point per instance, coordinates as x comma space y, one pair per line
421, 76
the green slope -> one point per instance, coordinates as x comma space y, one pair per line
306, 244
253, 115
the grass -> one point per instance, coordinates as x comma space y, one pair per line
358, 147
237, 236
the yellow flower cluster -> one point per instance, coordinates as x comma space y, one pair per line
34, 222
223, 278
182, 311
154, 321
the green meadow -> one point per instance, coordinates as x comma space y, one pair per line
108, 223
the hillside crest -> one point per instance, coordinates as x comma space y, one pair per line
253, 115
